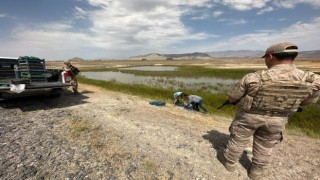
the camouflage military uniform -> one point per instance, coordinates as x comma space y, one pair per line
74, 81
266, 126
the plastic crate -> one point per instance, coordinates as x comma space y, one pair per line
33, 68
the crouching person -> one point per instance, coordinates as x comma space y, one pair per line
177, 96
195, 101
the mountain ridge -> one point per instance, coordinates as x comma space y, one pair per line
216, 54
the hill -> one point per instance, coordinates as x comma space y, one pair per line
216, 54
156, 56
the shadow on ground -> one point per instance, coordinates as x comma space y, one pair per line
44, 102
219, 142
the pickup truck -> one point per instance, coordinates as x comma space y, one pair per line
28, 76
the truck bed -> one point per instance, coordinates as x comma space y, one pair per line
32, 73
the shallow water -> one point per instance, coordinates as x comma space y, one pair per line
208, 83
151, 68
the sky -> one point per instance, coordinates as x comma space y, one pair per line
119, 29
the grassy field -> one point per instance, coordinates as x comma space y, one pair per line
252, 63
194, 71
306, 121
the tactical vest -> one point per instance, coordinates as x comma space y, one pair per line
277, 98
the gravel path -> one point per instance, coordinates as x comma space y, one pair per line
107, 135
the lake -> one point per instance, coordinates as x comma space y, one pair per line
209, 84
151, 68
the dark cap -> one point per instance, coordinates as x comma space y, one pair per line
283, 47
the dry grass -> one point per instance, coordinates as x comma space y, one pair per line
77, 127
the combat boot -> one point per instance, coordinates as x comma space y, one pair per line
231, 167
255, 172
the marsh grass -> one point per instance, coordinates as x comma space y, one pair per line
306, 121
194, 71
211, 101
183, 71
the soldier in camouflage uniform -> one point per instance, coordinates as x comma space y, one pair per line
68, 68
265, 99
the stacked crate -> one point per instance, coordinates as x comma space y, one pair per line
32, 68
7, 67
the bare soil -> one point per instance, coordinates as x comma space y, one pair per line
108, 135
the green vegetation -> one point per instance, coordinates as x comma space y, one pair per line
306, 121
185, 71
212, 101
194, 71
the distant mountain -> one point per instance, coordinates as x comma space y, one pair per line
215, 54
315, 53
156, 56
236, 54
190, 55
76, 59
255, 54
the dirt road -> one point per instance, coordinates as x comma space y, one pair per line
108, 135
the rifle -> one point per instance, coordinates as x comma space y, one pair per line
225, 103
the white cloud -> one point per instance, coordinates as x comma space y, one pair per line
233, 21
197, 3
267, 9
238, 21
265, 5
293, 3
306, 35
80, 13
99, 3
244, 4
204, 16
217, 13
66, 26
129, 23
282, 19
49, 41
6, 16
122, 28
147, 4
118, 29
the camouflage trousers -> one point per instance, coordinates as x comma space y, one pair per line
266, 132
74, 84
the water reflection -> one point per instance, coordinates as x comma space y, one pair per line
203, 83
151, 68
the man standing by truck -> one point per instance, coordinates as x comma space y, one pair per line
265, 99
72, 71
